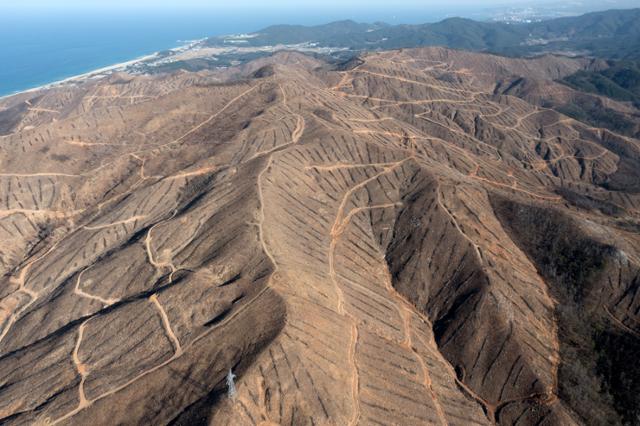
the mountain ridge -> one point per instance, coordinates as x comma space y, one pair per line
398, 241
592, 32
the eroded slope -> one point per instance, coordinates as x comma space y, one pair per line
393, 242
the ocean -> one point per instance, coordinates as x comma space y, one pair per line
40, 47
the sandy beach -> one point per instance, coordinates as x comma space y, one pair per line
81, 77
185, 47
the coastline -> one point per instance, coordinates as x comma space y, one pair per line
189, 49
81, 77
100, 72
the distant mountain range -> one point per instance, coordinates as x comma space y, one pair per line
613, 34
610, 38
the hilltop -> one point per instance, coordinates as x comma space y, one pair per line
407, 238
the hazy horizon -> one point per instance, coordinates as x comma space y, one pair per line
332, 7
44, 41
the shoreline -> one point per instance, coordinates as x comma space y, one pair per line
84, 76
104, 70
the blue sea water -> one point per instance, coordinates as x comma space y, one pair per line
40, 47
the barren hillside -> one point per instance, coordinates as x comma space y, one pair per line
397, 241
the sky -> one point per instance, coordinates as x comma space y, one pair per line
258, 13
457, 7
245, 3
261, 4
